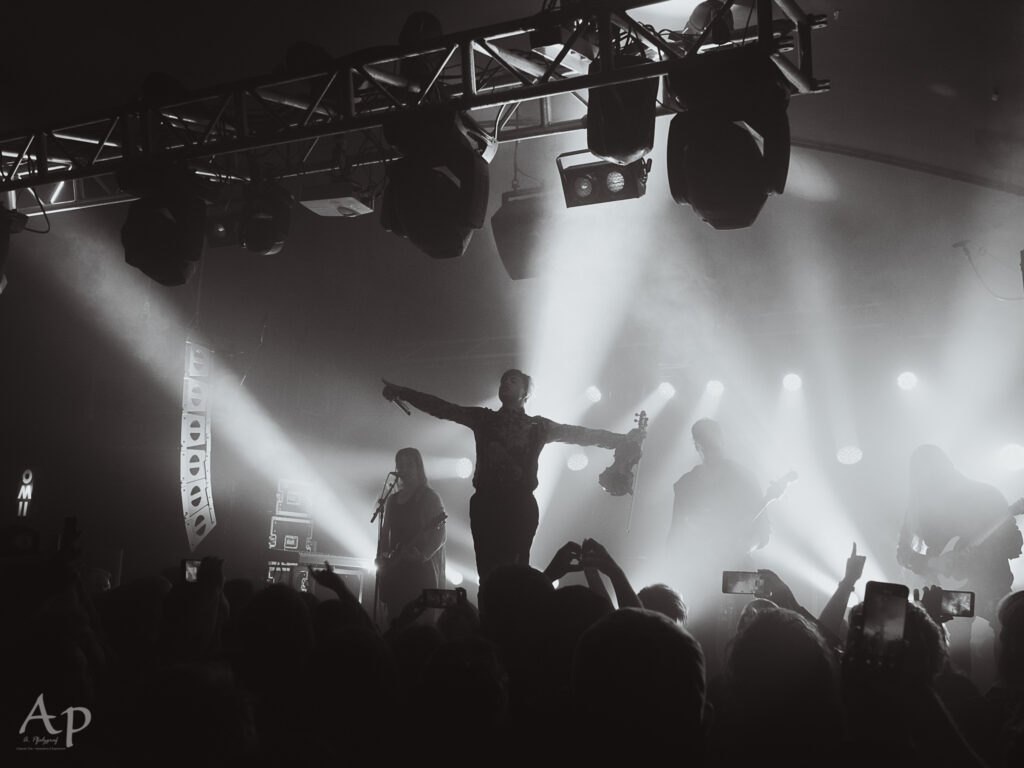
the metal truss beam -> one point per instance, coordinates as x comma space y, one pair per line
288, 126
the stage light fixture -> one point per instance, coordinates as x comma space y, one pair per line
666, 390
164, 230
265, 218
710, 13
600, 181
454, 577
221, 228
593, 394
437, 191
715, 388
729, 146
577, 462
339, 198
907, 381
792, 382
10, 222
518, 226
464, 468
849, 455
620, 118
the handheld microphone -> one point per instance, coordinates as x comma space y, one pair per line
403, 406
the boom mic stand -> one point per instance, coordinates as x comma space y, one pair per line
386, 490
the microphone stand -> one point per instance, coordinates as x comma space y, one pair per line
390, 482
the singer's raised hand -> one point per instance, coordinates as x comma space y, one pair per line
391, 391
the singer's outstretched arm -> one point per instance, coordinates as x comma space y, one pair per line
435, 406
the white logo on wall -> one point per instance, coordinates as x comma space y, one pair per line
25, 494
53, 738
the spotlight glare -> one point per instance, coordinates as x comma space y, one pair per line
849, 454
1012, 457
454, 577
666, 390
464, 467
907, 381
593, 394
792, 382
715, 388
577, 462
584, 186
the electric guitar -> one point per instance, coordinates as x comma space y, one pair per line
618, 478
393, 554
963, 561
776, 490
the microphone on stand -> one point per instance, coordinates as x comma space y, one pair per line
385, 492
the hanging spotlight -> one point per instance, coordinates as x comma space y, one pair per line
601, 182
710, 13
222, 228
577, 461
907, 381
518, 226
10, 222
164, 230
620, 118
715, 388
792, 382
265, 218
849, 455
437, 192
728, 148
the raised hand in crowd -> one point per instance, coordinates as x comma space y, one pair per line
565, 561
831, 620
595, 556
930, 599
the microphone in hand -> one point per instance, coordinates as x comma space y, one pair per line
391, 392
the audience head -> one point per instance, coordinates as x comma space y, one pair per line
784, 681
637, 672
665, 600
752, 609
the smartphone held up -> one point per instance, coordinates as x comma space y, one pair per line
742, 583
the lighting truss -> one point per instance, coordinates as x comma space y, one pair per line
301, 124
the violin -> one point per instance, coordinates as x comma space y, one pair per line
619, 477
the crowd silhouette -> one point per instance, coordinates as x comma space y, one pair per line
221, 672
